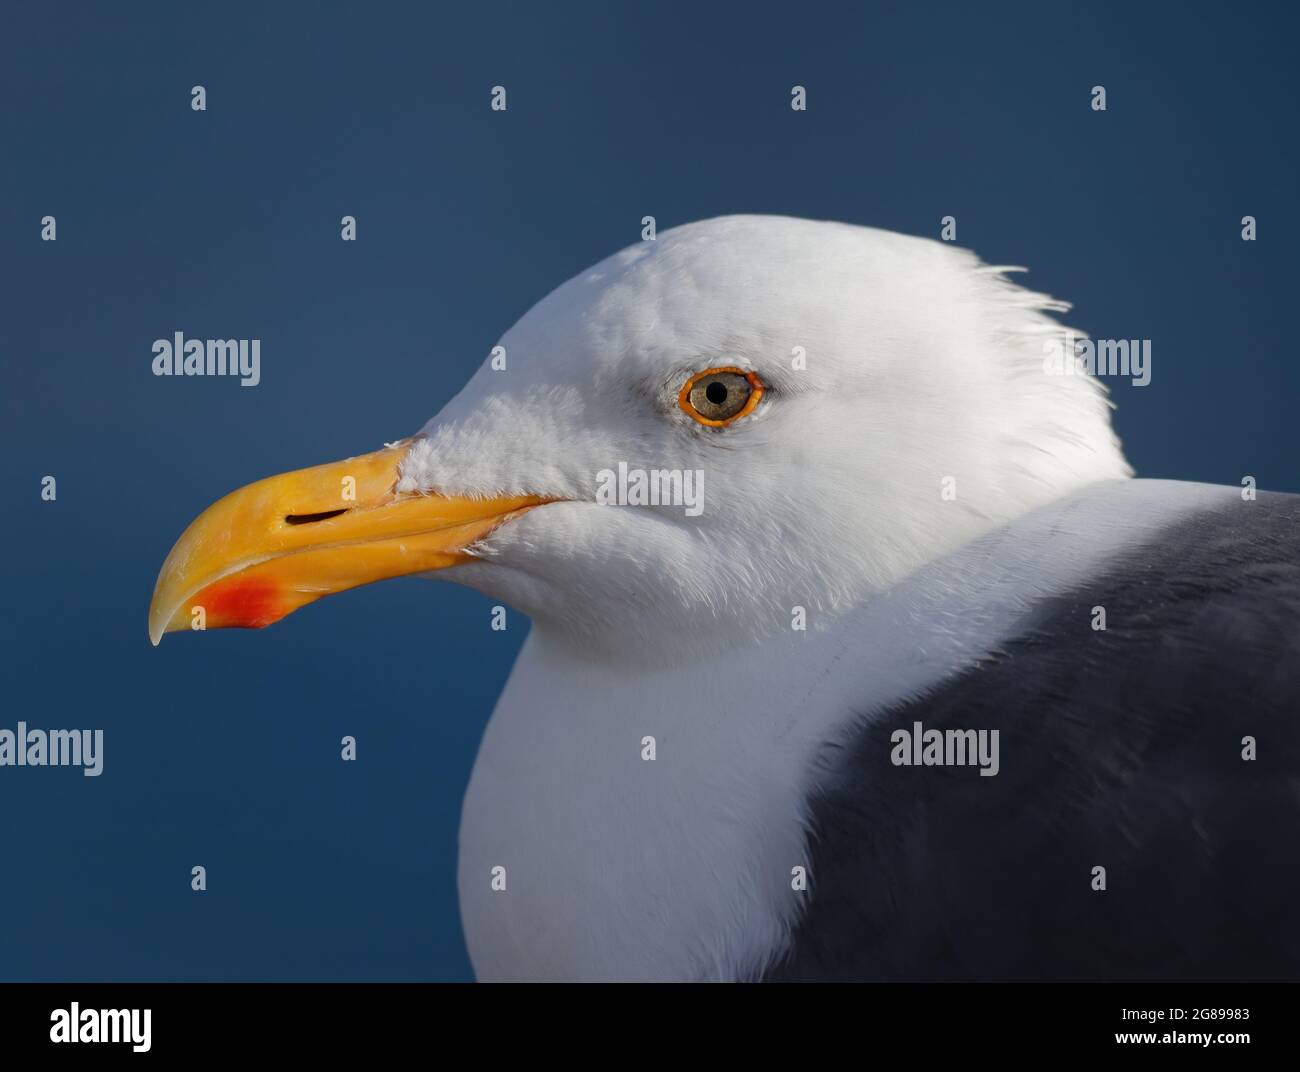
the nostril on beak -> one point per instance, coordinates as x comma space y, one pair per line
310, 519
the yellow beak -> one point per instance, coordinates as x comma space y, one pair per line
278, 544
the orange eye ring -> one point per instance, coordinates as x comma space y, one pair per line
756, 392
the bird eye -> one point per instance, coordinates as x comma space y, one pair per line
718, 396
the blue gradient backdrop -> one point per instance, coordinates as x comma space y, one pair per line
223, 750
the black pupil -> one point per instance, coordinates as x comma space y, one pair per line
716, 392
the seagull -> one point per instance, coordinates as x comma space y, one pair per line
925, 687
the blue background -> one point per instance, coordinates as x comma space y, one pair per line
223, 750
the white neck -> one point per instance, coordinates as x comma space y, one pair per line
618, 867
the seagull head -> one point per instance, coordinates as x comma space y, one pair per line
688, 446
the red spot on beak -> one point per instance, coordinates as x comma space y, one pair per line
242, 602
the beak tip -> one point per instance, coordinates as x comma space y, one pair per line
157, 625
